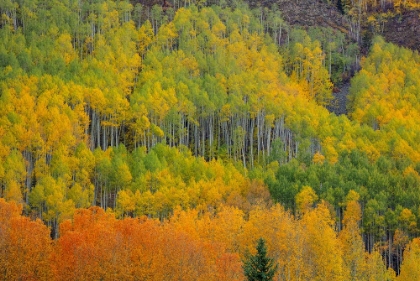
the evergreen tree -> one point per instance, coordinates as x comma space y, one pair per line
259, 267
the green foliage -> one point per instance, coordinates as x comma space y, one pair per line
104, 105
259, 267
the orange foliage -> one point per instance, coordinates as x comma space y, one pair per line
191, 245
96, 246
25, 245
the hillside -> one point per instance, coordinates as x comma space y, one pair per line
308, 13
398, 24
144, 141
404, 29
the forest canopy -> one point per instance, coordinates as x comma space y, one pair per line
209, 122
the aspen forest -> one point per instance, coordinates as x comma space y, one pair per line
163, 141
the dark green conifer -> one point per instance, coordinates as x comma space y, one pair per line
259, 267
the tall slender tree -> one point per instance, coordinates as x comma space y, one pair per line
260, 267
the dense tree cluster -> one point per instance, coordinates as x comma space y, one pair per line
383, 101
191, 245
177, 122
88, 95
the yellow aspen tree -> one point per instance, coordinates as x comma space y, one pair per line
305, 199
410, 268
323, 253
351, 240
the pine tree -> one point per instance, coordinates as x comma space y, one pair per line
259, 267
